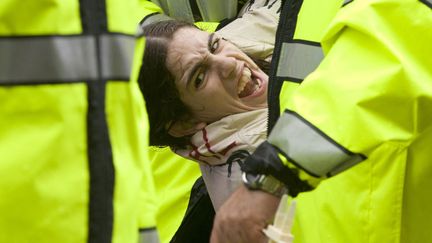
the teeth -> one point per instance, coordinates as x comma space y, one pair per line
256, 87
246, 77
247, 72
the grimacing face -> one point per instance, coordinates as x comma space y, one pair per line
213, 76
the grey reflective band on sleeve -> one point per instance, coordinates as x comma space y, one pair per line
149, 236
152, 18
215, 11
181, 10
346, 2
163, 4
297, 60
427, 2
310, 149
64, 58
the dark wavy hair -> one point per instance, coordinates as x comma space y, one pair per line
157, 84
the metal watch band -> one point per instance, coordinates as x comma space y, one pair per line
266, 183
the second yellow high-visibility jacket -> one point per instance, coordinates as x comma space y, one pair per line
73, 126
357, 129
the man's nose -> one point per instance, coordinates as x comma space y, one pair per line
224, 66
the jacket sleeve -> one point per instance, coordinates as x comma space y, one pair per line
373, 87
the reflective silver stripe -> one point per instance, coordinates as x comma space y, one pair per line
297, 60
346, 2
153, 18
64, 58
149, 236
180, 9
427, 2
53, 58
163, 4
116, 56
214, 10
308, 148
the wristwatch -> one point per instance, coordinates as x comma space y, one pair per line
265, 183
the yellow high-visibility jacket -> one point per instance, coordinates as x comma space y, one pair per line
73, 127
174, 178
359, 124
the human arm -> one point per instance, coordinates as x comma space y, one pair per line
343, 110
368, 96
229, 224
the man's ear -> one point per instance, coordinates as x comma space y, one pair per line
183, 128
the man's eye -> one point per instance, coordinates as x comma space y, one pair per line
199, 79
214, 45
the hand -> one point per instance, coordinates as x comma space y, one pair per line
243, 216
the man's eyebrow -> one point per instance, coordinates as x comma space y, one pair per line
197, 65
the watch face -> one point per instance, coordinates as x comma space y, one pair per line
253, 180
265, 183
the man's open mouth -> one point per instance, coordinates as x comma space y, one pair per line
248, 83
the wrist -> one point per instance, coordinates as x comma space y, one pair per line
265, 161
266, 183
